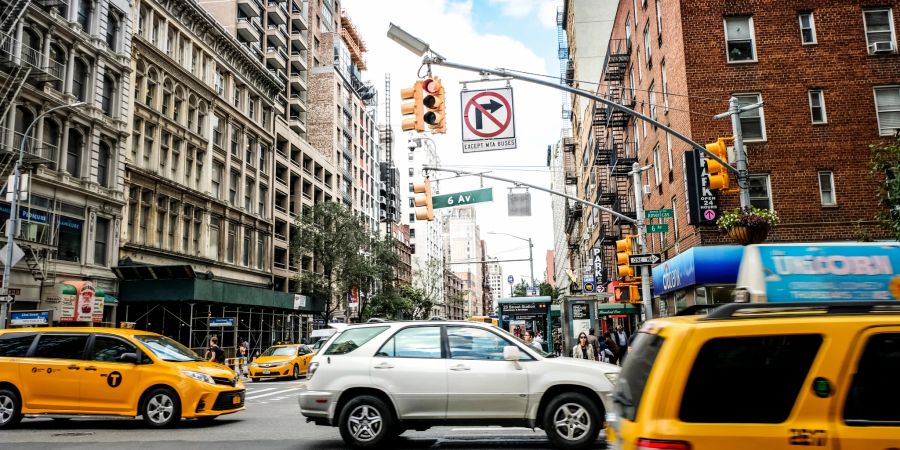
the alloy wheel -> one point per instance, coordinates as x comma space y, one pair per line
571, 421
7, 408
365, 423
160, 408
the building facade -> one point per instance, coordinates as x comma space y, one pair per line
495, 280
664, 61
464, 253
60, 53
425, 237
454, 306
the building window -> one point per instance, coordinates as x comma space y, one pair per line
628, 32
879, 25
246, 247
233, 188
887, 107
261, 252
80, 80
235, 142
753, 124
220, 84
647, 48
73, 153
657, 166
103, 163
760, 192
230, 244
107, 101
112, 29
817, 106
263, 195
675, 217
651, 93
665, 87
807, 28
69, 248
739, 39
214, 238
84, 15
659, 21
669, 152
826, 188
248, 194
218, 172
101, 238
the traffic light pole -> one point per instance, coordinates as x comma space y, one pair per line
734, 109
642, 238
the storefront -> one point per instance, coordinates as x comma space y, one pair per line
701, 275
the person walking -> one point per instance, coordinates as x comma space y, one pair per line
529, 339
215, 353
583, 350
622, 341
595, 343
612, 349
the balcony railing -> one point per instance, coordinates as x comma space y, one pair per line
35, 149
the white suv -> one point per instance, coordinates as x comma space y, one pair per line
375, 381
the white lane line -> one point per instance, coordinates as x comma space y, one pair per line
495, 429
254, 397
259, 391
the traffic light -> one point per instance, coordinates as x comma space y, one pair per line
435, 115
627, 294
424, 208
624, 249
412, 111
718, 174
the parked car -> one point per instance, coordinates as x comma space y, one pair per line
375, 381
109, 371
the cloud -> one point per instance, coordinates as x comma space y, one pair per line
545, 9
453, 34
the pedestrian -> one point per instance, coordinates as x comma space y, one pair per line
215, 353
612, 348
595, 343
529, 339
539, 338
622, 341
583, 350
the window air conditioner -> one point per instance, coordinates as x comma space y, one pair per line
881, 47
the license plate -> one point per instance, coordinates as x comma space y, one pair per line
266, 372
236, 400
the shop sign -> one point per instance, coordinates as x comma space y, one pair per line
29, 318
78, 302
697, 266
299, 301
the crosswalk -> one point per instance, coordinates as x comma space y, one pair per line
272, 392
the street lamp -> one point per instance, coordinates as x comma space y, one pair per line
530, 253
408, 41
14, 208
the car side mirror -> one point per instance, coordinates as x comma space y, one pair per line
129, 358
511, 353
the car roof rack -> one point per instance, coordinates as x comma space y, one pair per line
799, 309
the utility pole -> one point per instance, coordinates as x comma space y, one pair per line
740, 155
531, 261
642, 238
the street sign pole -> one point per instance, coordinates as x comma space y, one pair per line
645, 270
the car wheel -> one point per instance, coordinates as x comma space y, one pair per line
296, 373
10, 408
255, 380
365, 422
161, 408
572, 421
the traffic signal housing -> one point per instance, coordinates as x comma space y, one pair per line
412, 108
626, 293
435, 106
424, 207
718, 174
624, 249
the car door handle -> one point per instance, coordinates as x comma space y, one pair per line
459, 368
384, 366
90, 368
74, 367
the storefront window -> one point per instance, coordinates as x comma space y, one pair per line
69, 248
680, 300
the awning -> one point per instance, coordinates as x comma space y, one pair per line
154, 272
608, 309
211, 291
110, 300
716, 264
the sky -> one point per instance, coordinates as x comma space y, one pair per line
512, 34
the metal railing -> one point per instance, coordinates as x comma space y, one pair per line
35, 147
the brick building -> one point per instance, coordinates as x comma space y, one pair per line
827, 72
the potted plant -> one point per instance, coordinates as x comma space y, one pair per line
748, 225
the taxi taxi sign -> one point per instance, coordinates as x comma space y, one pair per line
815, 272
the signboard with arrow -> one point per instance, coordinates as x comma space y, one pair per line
488, 120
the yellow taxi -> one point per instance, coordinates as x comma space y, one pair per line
109, 371
750, 376
282, 361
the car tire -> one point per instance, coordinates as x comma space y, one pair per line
296, 372
255, 380
572, 421
10, 408
161, 408
366, 422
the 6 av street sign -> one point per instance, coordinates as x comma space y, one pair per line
658, 228
462, 198
644, 259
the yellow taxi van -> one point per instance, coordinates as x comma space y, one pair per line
786, 367
110, 372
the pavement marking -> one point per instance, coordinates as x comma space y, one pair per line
494, 429
254, 397
259, 391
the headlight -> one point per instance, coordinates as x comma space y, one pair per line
612, 377
312, 369
199, 376
253, 364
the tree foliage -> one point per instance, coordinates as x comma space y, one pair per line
544, 290
885, 166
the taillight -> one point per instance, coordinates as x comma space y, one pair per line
653, 444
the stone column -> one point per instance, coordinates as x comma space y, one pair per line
70, 72
64, 146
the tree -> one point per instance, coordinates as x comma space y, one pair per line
520, 290
333, 236
885, 165
544, 290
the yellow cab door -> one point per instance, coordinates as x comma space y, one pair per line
304, 356
111, 381
742, 385
867, 416
50, 376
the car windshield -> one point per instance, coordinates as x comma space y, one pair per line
353, 338
280, 351
167, 349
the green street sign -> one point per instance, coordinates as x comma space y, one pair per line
462, 198
658, 228
658, 213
